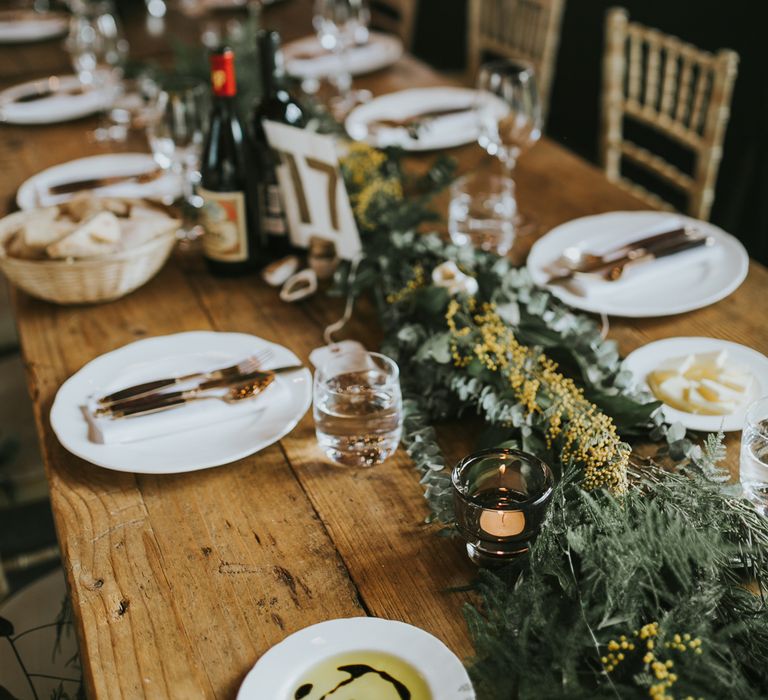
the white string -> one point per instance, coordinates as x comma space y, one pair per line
606, 325
336, 326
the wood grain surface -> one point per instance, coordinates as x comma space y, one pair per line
180, 583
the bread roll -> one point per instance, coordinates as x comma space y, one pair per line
97, 236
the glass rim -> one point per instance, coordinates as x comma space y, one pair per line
523, 66
392, 376
549, 478
468, 177
754, 422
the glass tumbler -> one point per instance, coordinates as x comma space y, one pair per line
500, 497
358, 408
753, 463
482, 212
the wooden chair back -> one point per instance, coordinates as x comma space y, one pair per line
396, 17
527, 30
670, 86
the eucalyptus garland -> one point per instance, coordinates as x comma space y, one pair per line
644, 582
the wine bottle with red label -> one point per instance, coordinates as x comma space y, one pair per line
275, 104
233, 243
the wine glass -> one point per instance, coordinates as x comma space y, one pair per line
341, 24
98, 51
509, 120
509, 110
96, 46
175, 133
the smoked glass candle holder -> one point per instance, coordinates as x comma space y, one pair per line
501, 497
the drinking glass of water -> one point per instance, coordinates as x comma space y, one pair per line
358, 408
482, 212
753, 464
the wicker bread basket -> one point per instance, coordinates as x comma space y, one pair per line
88, 280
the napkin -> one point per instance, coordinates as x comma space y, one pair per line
434, 128
642, 274
30, 28
304, 58
196, 414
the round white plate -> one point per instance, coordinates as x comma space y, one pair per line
36, 607
167, 356
58, 107
276, 674
31, 26
34, 191
306, 58
646, 359
673, 285
444, 132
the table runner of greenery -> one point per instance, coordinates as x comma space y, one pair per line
644, 582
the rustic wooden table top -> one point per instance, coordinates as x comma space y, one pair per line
179, 583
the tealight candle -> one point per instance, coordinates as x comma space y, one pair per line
500, 496
500, 523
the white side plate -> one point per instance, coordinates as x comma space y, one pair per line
382, 50
688, 281
35, 28
56, 108
646, 359
277, 673
167, 356
34, 191
444, 132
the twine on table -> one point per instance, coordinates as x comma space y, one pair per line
336, 326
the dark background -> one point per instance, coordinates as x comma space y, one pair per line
741, 201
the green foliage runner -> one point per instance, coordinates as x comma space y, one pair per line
644, 582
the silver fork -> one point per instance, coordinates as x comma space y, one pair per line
249, 364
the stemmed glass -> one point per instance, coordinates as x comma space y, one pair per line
509, 116
96, 46
509, 110
341, 24
175, 133
98, 51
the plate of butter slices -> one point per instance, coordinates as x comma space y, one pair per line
705, 384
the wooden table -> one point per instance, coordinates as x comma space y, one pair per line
179, 583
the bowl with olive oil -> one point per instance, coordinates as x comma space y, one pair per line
359, 657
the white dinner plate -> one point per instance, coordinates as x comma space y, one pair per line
672, 285
306, 58
34, 609
277, 673
22, 26
171, 355
646, 359
441, 132
58, 107
34, 191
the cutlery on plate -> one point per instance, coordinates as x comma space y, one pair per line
48, 92
97, 182
416, 122
249, 364
147, 400
588, 263
309, 54
613, 270
577, 260
239, 392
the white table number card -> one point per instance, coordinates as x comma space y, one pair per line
316, 201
